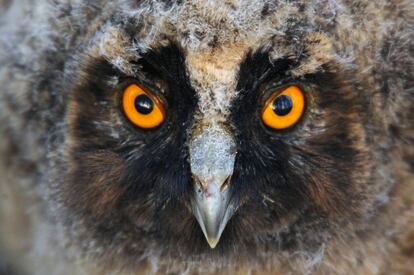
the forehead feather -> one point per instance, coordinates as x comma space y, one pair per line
216, 35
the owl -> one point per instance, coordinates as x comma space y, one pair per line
207, 137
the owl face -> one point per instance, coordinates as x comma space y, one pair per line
241, 138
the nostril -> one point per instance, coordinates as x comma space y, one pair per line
232, 150
200, 183
204, 185
226, 184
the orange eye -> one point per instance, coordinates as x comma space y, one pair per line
142, 108
283, 109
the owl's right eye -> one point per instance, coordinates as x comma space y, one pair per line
142, 108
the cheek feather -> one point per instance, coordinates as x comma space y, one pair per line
95, 182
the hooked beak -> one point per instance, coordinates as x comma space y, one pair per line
212, 156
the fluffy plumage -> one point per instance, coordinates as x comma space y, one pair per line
84, 190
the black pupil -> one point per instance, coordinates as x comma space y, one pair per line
282, 105
144, 104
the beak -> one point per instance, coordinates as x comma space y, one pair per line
212, 156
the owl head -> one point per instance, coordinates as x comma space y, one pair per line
258, 126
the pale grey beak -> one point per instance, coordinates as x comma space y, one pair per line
212, 156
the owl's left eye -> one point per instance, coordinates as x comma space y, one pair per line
284, 108
142, 107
